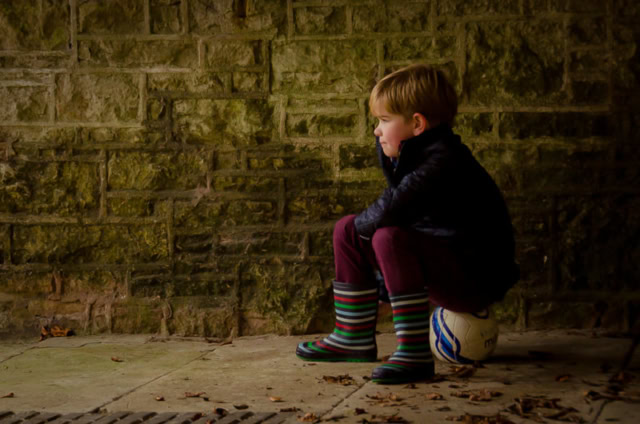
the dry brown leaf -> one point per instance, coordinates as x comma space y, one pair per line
160, 398
55, 331
411, 386
480, 419
462, 372
202, 395
241, 406
344, 379
360, 411
309, 417
562, 378
388, 419
434, 396
116, 359
275, 399
221, 412
8, 395
291, 409
482, 395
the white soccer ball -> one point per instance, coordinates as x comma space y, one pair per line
462, 338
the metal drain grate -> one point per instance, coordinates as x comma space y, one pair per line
247, 417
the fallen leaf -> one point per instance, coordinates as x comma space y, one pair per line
462, 372
434, 396
540, 355
480, 419
275, 399
360, 411
160, 398
482, 395
385, 400
443, 408
243, 406
221, 412
116, 359
411, 386
344, 380
562, 378
291, 409
55, 331
388, 419
8, 395
309, 417
202, 395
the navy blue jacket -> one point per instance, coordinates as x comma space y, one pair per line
438, 188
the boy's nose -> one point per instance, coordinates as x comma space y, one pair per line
377, 132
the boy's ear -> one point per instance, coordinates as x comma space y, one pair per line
420, 124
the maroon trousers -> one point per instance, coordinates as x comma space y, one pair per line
410, 262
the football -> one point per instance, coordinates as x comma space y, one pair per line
462, 338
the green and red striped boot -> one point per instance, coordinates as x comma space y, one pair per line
353, 339
412, 360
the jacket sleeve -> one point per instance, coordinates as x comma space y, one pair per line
395, 204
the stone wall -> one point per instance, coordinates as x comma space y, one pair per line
176, 166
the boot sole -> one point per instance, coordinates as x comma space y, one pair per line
336, 359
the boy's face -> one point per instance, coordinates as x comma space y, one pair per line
392, 129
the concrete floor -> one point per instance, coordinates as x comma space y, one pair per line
132, 372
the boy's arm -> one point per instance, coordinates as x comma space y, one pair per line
394, 205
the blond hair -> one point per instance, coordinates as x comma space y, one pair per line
417, 89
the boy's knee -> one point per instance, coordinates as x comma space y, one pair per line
387, 238
343, 227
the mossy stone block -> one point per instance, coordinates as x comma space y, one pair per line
218, 17
33, 25
320, 20
555, 124
111, 17
226, 53
260, 243
225, 213
60, 244
24, 104
319, 125
358, 156
345, 66
156, 171
97, 97
136, 53
393, 17
192, 82
206, 316
473, 124
321, 243
313, 208
420, 48
166, 16
458, 8
62, 188
515, 63
237, 123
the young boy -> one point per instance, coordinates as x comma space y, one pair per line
440, 232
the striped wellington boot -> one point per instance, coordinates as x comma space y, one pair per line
353, 338
412, 360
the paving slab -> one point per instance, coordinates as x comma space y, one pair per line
549, 376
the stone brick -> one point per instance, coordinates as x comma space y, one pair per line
307, 162
590, 62
222, 54
57, 188
111, 17
473, 124
321, 243
201, 284
245, 184
626, 8
224, 122
346, 66
34, 25
580, 6
590, 92
563, 314
289, 295
135, 315
192, 82
358, 156
515, 63
55, 244
570, 124
97, 97
228, 160
319, 20
248, 82
591, 30
503, 164
391, 17
5, 244
320, 125
222, 214
35, 61
24, 104
217, 17
131, 207
134, 53
27, 284
420, 48
477, 7
206, 316
260, 243
315, 208
156, 171
166, 16
535, 259
531, 216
